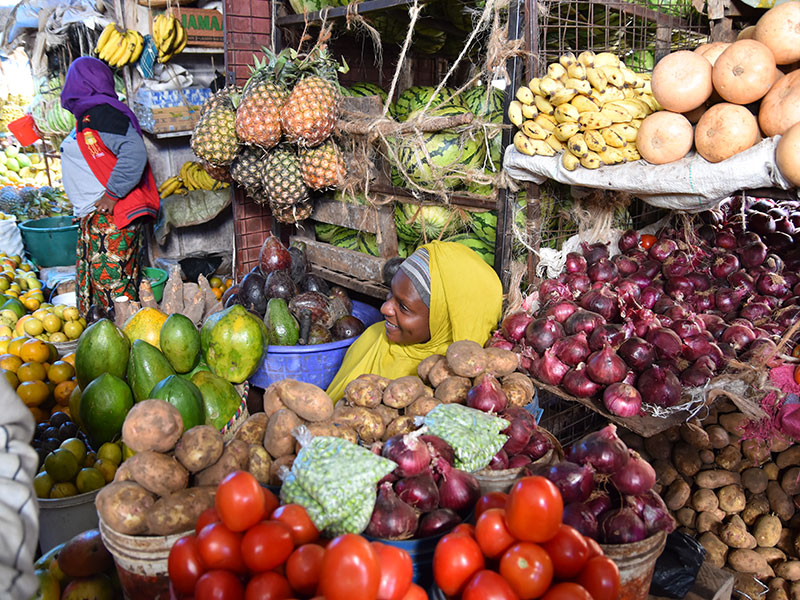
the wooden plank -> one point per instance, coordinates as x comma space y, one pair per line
460, 199
341, 11
387, 231
369, 288
354, 216
348, 262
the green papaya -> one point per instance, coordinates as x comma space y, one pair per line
200, 366
180, 342
16, 306
146, 367
282, 327
102, 348
220, 398
234, 343
105, 403
183, 395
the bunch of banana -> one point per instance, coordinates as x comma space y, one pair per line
589, 106
192, 176
171, 185
119, 48
169, 36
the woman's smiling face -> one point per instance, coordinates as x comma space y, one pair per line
406, 314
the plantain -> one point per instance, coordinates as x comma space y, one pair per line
534, 131
515, 112
566, 130
563, 96
543, 105
533, 84
591, 161
594, 141
549, 86
614, 76
613, 137
570, 161
565, 113
584, 104
637, 108
532, 147
631, 78
524, 94
610, 94
577, 145
594, 120
611, 156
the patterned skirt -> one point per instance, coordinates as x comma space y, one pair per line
108, 261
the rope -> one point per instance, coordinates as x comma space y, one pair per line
413, 12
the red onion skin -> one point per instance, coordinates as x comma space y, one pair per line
438, 448
418, 491
643, 321
677, 312
622, 400
772, 284
697, 346
561, 310
550, 369
582, 320
437, 522
517, 413
621, 526
724, 265
625, 265
392, 519
498, 341
637, 477
659, 386
695, 375
519, 434
578, 384
686, 328
603, 270
605, 366
679, 288
630, 378
738, 336
576, 263
499, 461
610, 333
487, 394
513, 326
578, 516
458, 490
601, 502
629, 240
703, 301
700, 281
666, 342
542, 333
629, 289
572, 350
601, 301
725, 239
714, 324
520, 460
538, 446
755, 310
649, 296
677, 265
603, 450
409, 452
594, 252
573, 481
649, 268
654, 513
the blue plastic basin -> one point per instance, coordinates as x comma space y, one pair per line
315, 364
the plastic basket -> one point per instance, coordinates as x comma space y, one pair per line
24, 129
52, 241
316, 364
159, 280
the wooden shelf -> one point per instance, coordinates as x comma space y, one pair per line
170, 134
340, 12
201, 50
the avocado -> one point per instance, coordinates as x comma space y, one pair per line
282, 327
319, 335
251, 293
279, 284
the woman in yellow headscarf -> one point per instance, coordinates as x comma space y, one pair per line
442, 293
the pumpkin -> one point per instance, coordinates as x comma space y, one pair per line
779, 30
780, 108
744, 72
712, 51
747, 33
694, 115
681, 81
724, 130
664, 137
787, 154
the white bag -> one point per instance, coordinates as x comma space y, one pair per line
10, 237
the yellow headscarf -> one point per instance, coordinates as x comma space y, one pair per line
466, 304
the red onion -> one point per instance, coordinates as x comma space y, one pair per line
542, 333
772, 284
663, 305
437, 522
699, 345
640, 279
686, 327
728, 300
409, 452
659, 386
594, 252
578, 384
517, 413
519, 434
644, 320
628, 288
499, 461
605, 366
713, 323
622, 400
498, 341
520, 460
578, 283
438, 448
609, 333
700, 281
601, 502
458, 490
662, 249
392, 519
725, 239
649, 296
738, 336
630, 378
707, 233
574, 481
601, 301
625, 265
576, 263
696, 375
760, 223
679, 288
603, 270
665, 341
742, 279
676, 312
550, 369
578, 516
636, 477
652, 510
573, 349
629, 240
621, 526
582, 320
513, 326
755, 310
677, 265
637, 353
786, 317
753, 254
649, 268
418, 491
487, 394
724, 265
561, 310
550, 288
603, 450
774, 264
703, 301
538, 446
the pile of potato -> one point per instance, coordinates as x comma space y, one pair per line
737, 497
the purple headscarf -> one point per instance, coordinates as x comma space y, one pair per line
90, 83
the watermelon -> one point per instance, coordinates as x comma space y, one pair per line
483, 103
405, 249
391, 24
368, 243
405, 232
366, 88
461, 13
435, 221
486, 251
427, 40
484, 226
416, 97
345, 238
325, 231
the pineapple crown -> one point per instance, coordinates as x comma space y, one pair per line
318, 62
278, 68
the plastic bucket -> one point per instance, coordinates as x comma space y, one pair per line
141, 562
158, 279
52, 241
421, 552
315, 364
24, 129
636, 563
60, 519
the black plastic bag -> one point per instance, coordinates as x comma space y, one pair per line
677, 567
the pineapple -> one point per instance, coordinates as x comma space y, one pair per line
219, 173
214, 137
323, 166
247, 168
291, 214
282, 178
258, 118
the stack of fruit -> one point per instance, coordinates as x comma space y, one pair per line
119, 48
192, 176
27, 168
30, 202
12, 109
589, 106
219, 285
169, 36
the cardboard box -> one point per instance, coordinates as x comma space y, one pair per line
203, 27
165, 120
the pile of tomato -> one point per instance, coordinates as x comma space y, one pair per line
249, 548
520, 550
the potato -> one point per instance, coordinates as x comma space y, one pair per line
368, 425
712, 418
790, 481
453, 390
725, 405
466, 358
717, 436
732, 499
400, 426
365, 390
439, 372
253, 429
673, 434
201, 446
754, 480
347, 433
786, 543
746, 585
158, 473
771, 554
714, 479
306, 400
788, 458
707, 457
757, 505
403, 391
767, 530
771, 470
259, 463
779, 501
387, 414
686, 516
677, 495
789, 570
272, 400
152, 425
695, 436
658, 446
330, 430
717, 552
755, 452
686, 459
421, 406
123, 472
665, 472
705, 499
631, 439
707, 521
501, 362
518, 389
234, 457
179, 511
729, 458
778, 589
734, 423
779, 442
124, 506
749, 561
425, 366
734, 533
278, 439
274, 472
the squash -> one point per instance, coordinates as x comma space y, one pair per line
747, 33
744, 72
780, 108
779, 30
694, 115
681, 81
712, 51
787, 154
664, 137
724, 130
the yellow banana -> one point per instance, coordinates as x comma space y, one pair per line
646, 87
614, 76
529, 111
158, 30
546, 121
610, 94
533, 85
570, 161
597, 78
554, 143
591, 161
631, 79
606, 59
167, 182
525, 144
581, 85
515, 112
563, 96
577, 145
556, 71
130, 46
630, 152
611, 156
182, 174
543, 105
182, 38
650, 102
636, 123
104, 37
566, 130
112, 46
137, 52
119, 52
567, 59
638, 109
616, 112
630, 92
626, 131
594, 140
586, 58
565, 113
524, 94
613, 137
169, 187
549, 86
584, 104
594, 120
576, 71
534, 131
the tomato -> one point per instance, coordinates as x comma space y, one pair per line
184, 564
303, 568
600, 577
567, 591
456, 559
208, 516
569, 552
416, 592
647, 240
271, 502
220, 548
464, 528
396, 571
490, 500
218, 585
350, 570
268, 586
594, 547
240, 501
488, 585
266, 546
297, 519
534, 509
528, 569
492, 534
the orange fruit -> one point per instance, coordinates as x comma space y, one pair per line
31, 303
63, 391
11, 377
33, 393
70, 358
32, 371
16, 343
34, 351
217, 292
10, 362
58, 408
60, 371
38, 414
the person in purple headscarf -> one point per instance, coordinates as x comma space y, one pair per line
109, 182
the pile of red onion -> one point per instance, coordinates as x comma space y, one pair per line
666, 314
526, 442
608, 490
425, 495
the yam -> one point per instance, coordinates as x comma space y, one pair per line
658, 446
790, 481
278, 439
732, 499
425, 366
734, 423
686, 516
754, 480
152, 425
158, 473
729, 458
364, 390
403, 391
714, 479
707, 457
201, 446
439, 372
767, 530
259, 463
771, 554
757, 505
677, 495
178, 512
272, 400
421, 407
518, 388
717, 436
368, 425
124, 505
771, 470
399, 426
253, 429
275, 471
707, 521
695, 436
705, 499
734, 533
306, 400
755, 452
749, 561
788, 458
453, 390
665, 472
716, 551
466, 358
234, 457
387, 414
501, 362
779, 501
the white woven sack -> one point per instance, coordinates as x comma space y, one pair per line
10, 237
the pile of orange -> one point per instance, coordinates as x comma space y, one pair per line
42, 381
218, 286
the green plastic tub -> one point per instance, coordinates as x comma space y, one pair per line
158, 279
52, 241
